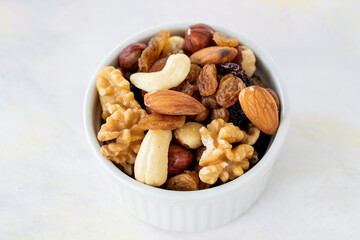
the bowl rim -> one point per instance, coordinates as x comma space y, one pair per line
267, 160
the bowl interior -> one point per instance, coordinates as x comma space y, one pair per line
265, 69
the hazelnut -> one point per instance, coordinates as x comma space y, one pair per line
158, 65
198, 36
128, 58
246, 59
189, 135
179, 159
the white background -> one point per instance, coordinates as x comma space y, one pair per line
50, 183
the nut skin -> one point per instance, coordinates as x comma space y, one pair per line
246, 59
171, 102
158, 65
188, 135
198, 36
260, 108
179, 159
128, 58
213, 55
275, 96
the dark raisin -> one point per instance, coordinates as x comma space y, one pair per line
262, 144
137, 94
237, 116
236, 70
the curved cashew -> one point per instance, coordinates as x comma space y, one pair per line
173, 45
175, 71
151, 163
251, 136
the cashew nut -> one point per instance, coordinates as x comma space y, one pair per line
175, 71
151, 163
251, 136
173, 45
248, 60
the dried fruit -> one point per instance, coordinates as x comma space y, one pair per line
188, 135
224, 40
237, 116
207, 80
260, 107
194, 73
174, 44
246, 59
236, 70
182, 182
198, 36
275, 96
151, 163
158, 65
175, 71
189, 86
186, 87
202, 116
222, 113
229, 89
179, 159
172, 103
209, 101
156, 121
215, 55
153, 50
128, 58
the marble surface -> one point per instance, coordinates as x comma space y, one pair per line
50, 184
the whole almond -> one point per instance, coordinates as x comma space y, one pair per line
172, 103
260, 108
215, 55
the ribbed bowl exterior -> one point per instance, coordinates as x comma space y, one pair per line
197, 210
195, 215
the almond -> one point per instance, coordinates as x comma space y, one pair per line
261, 109
215, 55
172, 103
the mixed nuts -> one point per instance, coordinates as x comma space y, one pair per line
198, 119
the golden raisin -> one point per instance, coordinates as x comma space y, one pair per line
209, 101
194, 73
224, 40
153, 50
156, 121
207, 80
182, 182
202, 116
229, 89
222, 113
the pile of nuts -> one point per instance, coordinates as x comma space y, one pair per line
185, 113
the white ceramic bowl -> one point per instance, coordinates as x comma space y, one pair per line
197, 210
